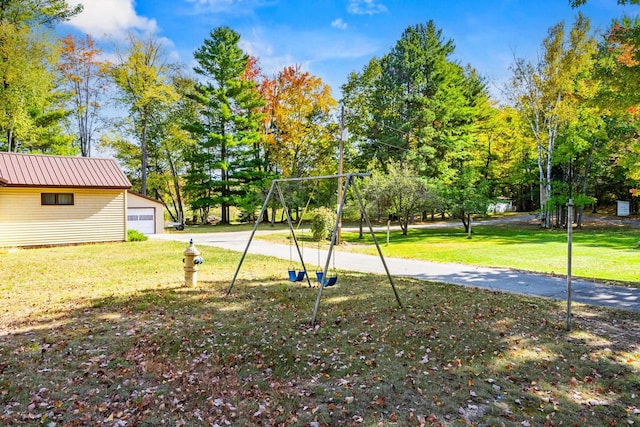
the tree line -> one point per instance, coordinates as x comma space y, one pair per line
215, 136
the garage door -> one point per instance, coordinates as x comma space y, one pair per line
141, 219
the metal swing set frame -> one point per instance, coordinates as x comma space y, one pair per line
349, 180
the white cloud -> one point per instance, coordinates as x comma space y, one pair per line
304, 48
110, 18
256, 44
232, 7
214, 5
365, 7
339, 24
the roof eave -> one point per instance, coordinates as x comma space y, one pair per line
135, 193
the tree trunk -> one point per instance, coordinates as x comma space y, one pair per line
144, 157
463, 218
172, 214
11, 143
404, 223
587, 170
224, 177
487, 163
543, 187
177, 202
544, 170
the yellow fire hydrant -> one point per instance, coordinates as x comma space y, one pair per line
191, 260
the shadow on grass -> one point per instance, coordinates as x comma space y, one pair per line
196, 356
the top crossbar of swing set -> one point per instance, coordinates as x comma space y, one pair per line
275, 186
312, 178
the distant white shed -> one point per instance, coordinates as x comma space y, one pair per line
502, 205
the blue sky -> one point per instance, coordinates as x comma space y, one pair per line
330, 39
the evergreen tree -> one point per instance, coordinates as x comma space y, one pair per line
37, 12
417, 107
223, 163
414, 104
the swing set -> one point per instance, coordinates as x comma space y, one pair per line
325, 277
297, 276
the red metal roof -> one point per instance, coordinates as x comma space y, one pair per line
34, 170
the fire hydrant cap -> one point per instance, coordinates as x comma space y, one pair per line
191, 250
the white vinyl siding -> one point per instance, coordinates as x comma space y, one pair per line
97, 215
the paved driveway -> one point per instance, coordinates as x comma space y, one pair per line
498, 279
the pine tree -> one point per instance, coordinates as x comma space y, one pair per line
224, 161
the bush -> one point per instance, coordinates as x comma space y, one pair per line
135, 236
322, 223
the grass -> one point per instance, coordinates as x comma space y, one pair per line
222, 228
604, 253
607, 253
107, 335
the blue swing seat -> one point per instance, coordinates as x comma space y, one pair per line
326, 283
296, 277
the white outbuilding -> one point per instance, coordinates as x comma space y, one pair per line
144, 214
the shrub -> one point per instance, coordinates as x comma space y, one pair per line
322, 223
135, 236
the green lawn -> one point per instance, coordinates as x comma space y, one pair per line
603, 253
107, 335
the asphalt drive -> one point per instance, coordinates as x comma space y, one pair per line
497, 279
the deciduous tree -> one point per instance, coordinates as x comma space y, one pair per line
142, 75
400, 191
30, 104
169, 145
85, 76
546, 93
298, 109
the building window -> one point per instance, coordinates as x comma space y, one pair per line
56, 198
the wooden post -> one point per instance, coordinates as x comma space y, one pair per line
388, 230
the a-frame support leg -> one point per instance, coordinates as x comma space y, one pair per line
333, 242
253, 232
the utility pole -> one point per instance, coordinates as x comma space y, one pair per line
340, 167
